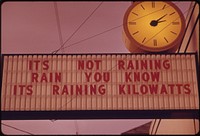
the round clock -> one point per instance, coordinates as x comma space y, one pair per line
153, 26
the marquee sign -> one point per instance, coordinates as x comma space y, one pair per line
99, 82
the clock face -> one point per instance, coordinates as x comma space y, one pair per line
154, 25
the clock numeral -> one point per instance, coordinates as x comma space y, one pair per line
155, 42
142, 6
135, 33
144, 40
164, 6
172, 13
135, 13
153, 4
166, 39
175, 23
173, 32
132, 23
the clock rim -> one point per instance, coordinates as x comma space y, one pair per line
152, 49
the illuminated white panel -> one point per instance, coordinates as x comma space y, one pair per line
99, 82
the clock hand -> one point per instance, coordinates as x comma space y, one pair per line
161, 21
155, 22
161, 18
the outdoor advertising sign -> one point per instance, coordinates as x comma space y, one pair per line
99, 82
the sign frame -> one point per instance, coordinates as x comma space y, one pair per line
101, 114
